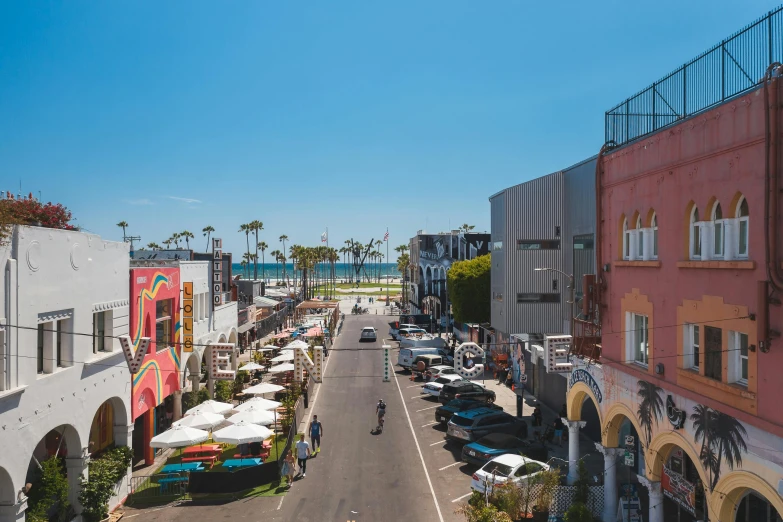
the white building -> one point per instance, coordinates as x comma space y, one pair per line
64, 380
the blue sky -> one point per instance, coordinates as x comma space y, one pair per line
353, 115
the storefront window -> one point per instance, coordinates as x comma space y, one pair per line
163, 324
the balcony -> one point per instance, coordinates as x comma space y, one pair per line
586, 340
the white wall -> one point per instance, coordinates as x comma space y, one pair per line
50, 274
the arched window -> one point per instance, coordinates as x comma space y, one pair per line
654, 225
743, 214
626, 240
639, 239
719, 230
695, 231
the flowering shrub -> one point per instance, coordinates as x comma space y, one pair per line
30, 211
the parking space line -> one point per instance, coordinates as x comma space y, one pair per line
439, 442
415, 386
450, 465
430, 424
427, 396
463, 496
425, 409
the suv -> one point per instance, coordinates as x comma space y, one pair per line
368, 334
443, 413
465, 390
471, 425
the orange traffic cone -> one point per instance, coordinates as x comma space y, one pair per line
513, 387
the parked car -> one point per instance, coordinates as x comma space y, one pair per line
395, 327
433, 388
443, 413
471, 425
439, 370
504, 469
406, 356
466, 390
496, 444
368, 334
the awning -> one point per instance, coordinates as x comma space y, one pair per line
246, 327
265, 302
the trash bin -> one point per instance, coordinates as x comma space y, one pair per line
520, 402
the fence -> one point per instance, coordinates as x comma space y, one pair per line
269, 323
563, 497
728, 69
158, 487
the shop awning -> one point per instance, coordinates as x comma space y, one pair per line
265, 302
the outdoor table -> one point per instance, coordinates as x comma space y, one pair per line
176, 468
241, 463
206, 448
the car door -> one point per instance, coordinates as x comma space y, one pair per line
475, 392
504, 423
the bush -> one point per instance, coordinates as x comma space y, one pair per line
103, 475
223, 391
582, 484
476, 511
578, 512
469, 289
49, 493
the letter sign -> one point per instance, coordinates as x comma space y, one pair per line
302, 361
187, 313
134, 359
477, 352
217, 272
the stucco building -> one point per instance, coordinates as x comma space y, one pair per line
64, 380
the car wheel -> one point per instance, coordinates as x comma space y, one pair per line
491, 399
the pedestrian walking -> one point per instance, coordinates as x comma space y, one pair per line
559, 426
537, 417
316, 430
289, 467
302, 454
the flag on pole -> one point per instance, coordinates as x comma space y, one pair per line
324, 237
386, 236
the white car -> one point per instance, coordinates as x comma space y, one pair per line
394, 330
368, 334
504, 469
433, 388
439, 371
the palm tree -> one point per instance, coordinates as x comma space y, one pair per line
175, 239
256, 226
123, 225
281, 259
207, 230
378, 245
187, 236
283, 239
167, 242
245, 227
263, 246
276, 255
248, 258
650, 406
153, 246
466, 227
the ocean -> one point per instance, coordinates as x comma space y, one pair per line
343, 270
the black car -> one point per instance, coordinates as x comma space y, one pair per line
471, 425
496, 444
443, 413
465, 390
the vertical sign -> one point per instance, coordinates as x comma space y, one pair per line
386, 348
187, 314
217, 272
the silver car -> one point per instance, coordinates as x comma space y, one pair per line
368, 334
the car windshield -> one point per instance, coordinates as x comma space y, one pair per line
462, 421
497, 468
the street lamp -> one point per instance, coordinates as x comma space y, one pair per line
570, 286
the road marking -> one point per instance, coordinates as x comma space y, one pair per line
439, 442
450, 465
415, 386
463, 496
281, 502
418, 448
425, 409
427, 396
430, 424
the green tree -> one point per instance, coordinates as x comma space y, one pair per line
153, 246
123, 225
187, 236
256, 226
469, 289
103, 475
578, 512
245, 227
283, 239
224, 390
263, 246
49, 491
207, 230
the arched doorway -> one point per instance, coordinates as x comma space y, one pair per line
7, 496
675, 463
583, 406
102, 428
746, 497
755, 508
58, 447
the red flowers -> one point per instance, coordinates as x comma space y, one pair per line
30, 211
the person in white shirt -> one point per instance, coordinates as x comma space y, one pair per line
302, 453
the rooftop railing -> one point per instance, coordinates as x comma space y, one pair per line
728, 69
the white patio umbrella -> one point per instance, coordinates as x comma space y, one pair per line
296, 344
251, 367
202, 420
258, 402
286, 367
242, 433
264, 387
211, 406
179, 437
283, 357
253, 416
267, 348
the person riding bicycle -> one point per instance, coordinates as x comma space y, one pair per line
380, 410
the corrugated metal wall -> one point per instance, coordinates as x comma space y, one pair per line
498, 272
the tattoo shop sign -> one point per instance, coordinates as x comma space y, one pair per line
582, 375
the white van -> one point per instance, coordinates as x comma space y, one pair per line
407, 355
395, 327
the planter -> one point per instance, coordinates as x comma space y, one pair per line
540, 516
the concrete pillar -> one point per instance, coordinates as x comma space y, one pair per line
195, 380
14, 512
123, 435
211, 387
656, 499
573, 448
177, 405
149, 432
76, 467
610, 481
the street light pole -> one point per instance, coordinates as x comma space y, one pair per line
572, 301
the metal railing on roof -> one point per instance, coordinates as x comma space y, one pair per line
728, 69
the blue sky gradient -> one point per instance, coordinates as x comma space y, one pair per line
353, 115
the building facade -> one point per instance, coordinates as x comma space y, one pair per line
63, 376
687, 384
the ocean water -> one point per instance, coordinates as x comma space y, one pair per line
343, 270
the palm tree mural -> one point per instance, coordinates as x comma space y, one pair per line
650, 407
721, 437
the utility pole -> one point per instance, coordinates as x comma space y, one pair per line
131, 239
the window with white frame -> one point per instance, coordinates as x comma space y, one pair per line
692, 347
738, 357
654, 225
626, 240
695, 233
719, 230
743, 214
637, 339
99, 332
639, 239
